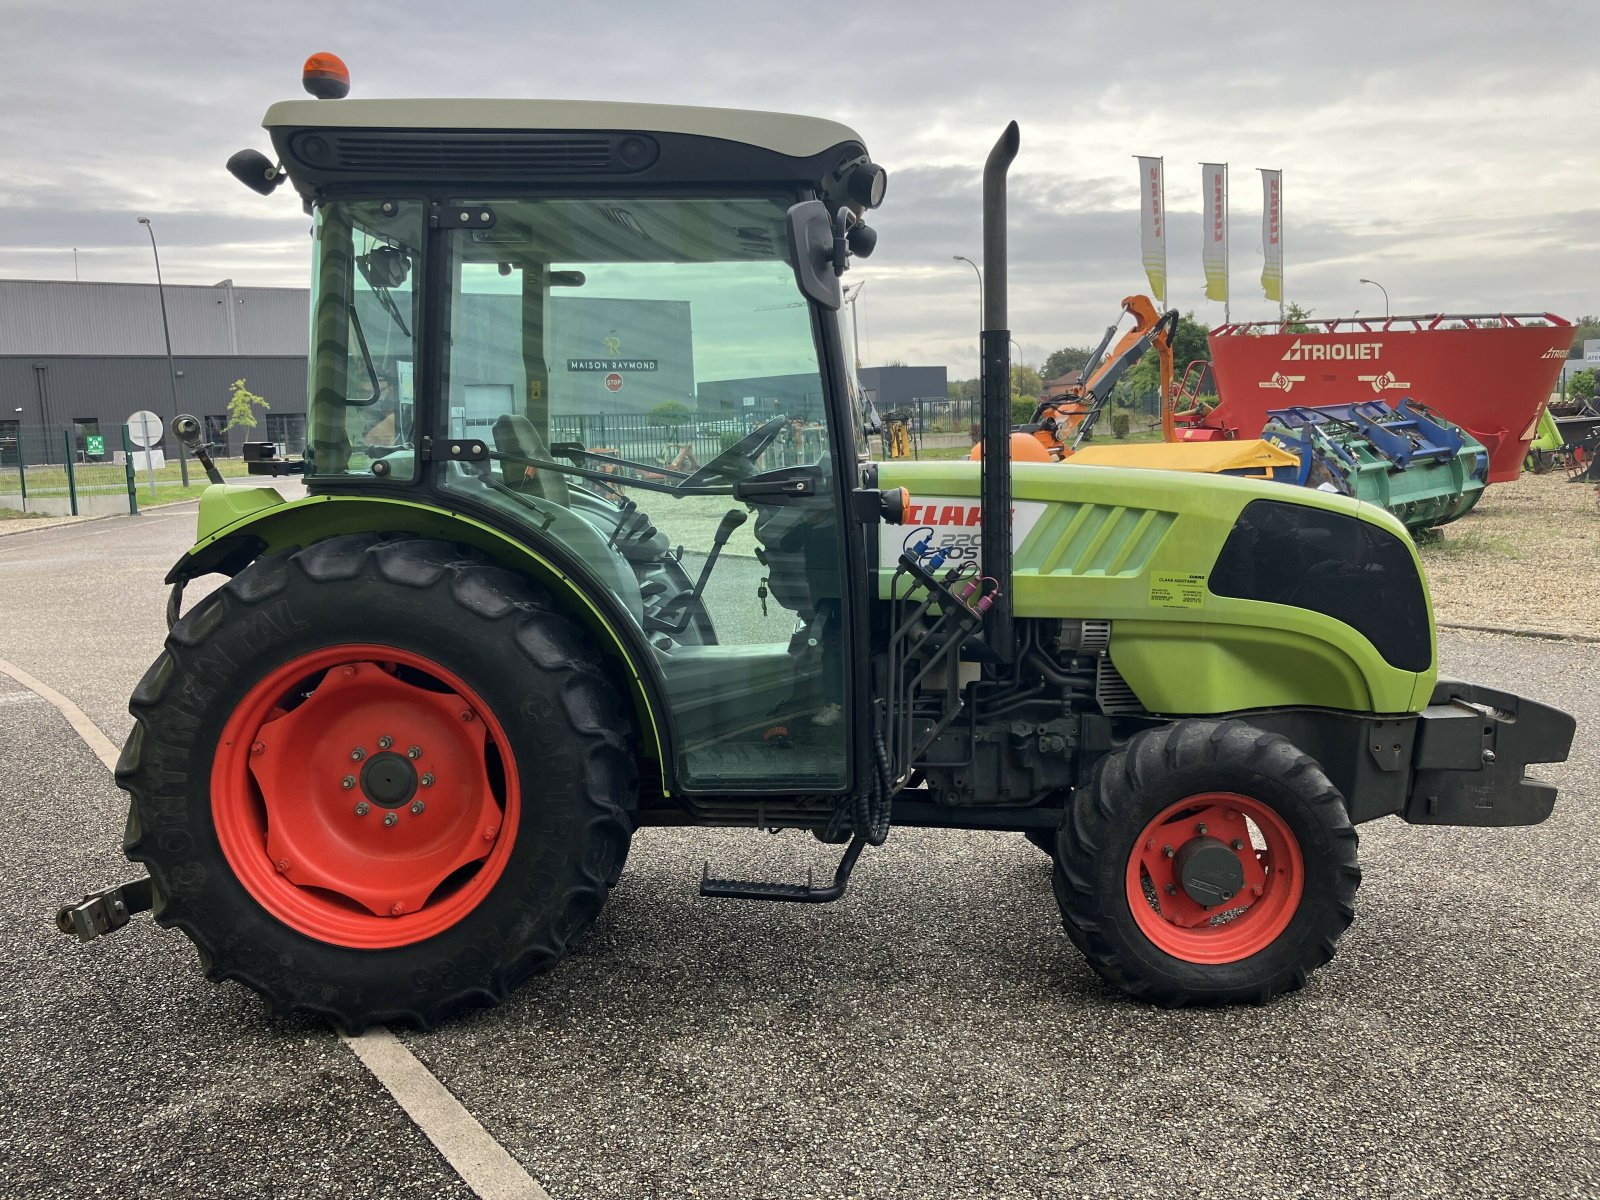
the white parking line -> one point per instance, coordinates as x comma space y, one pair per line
483, 1164
104, 748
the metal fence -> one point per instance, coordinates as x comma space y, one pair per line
640, 438
67, 472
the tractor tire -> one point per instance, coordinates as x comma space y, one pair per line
378, 779
1206, 810
1043, 839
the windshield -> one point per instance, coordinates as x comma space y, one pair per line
649, 322
364, 296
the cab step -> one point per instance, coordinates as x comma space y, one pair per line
789, 893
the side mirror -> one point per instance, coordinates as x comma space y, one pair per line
811, 251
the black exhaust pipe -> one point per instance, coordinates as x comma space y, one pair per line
995, 496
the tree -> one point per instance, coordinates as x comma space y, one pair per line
242, 405
1586, 328
1295, 319
1025, 381
1189, 344
669, 412
1581, 385
1068, 358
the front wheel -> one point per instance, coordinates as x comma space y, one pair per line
378, 779
1207, 862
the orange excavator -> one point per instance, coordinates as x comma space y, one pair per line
1060, 426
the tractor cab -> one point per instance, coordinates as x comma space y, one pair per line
583, 324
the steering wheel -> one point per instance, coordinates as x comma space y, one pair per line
738, 461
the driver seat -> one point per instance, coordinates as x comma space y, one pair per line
514, 434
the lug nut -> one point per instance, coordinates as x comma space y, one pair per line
414, 752
1256, 891
282, 866
348, 782
357, 754
385, 742
257, 747
488, 834
1237, 844
427, 779
348, 672
1168, 851
416, 808
1172, 889
389, 818
396, 909
1200, 828
363, 808
466, 714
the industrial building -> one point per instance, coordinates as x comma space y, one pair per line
84, 356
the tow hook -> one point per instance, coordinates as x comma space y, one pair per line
104, 912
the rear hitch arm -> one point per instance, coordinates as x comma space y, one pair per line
104, 912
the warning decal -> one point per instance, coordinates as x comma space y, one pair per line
1178, 591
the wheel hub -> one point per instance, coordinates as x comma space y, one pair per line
389, 780
1209, 871
1214, 878
321, 834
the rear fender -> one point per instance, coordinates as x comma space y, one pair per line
238, 524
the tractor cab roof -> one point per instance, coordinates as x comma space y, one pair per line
462, 143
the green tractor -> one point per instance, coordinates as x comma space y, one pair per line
390, 768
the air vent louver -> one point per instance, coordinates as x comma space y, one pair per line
463, 154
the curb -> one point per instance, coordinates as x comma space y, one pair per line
1546, 635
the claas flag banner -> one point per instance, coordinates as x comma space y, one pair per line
1214, 241
1153, 226
1272, 234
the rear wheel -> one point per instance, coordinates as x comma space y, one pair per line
378, 779
1207, 862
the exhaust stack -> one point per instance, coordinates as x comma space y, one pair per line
995, 494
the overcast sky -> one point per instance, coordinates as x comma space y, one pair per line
1446, 150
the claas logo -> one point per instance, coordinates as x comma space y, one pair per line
944, 514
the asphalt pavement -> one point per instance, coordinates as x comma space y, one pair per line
933, 1034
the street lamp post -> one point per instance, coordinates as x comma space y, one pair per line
1385, 292
166, 333
979, 274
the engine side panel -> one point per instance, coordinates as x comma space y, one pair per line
1139, 548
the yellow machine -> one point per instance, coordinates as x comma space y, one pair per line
897, 435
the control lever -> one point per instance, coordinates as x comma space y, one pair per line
731, 520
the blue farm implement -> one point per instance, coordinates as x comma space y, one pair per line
1407, 459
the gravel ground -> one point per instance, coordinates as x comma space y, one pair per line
1526, 556
932, 1034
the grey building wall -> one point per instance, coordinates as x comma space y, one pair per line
47, 316
795, 396
896, 387
54, 391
